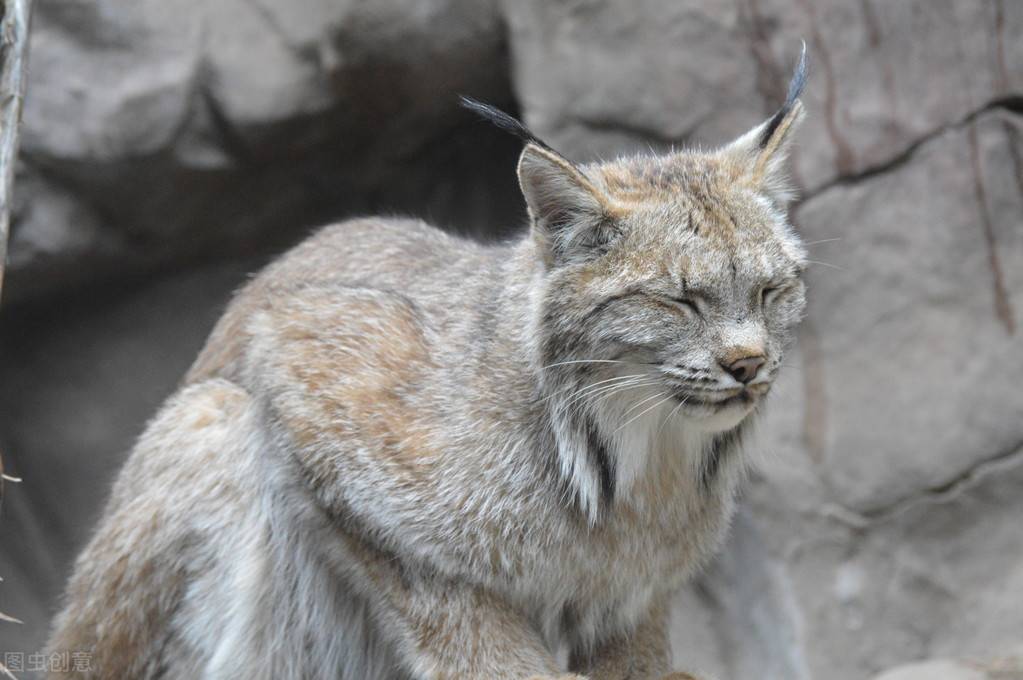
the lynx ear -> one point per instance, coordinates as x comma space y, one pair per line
761, 153
568, 211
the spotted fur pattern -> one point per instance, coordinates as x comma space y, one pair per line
402, 454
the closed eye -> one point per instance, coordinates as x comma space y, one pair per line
766, 294
686, 303
678, 305
769, 294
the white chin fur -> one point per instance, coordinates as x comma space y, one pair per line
719, 420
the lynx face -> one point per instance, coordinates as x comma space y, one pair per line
697, 283
680, 268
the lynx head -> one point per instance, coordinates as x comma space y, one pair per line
680, 270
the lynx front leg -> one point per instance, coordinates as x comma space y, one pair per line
642, 654
448, 631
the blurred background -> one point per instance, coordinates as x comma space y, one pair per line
172, 147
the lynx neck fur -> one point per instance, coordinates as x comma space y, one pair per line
404, 454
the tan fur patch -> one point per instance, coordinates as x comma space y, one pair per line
358, 357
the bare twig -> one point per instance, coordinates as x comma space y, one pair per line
14, 17
13, 51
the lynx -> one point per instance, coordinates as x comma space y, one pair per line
406, 455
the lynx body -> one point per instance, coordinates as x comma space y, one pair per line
402, 454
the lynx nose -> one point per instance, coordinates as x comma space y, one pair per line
745, 369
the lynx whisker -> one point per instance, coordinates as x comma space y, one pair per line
826, 264
562, 390
671, 414
587, 361
621, 388
644, 412
574, 402
640, 403
601, 393
575, 399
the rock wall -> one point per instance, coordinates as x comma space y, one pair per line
170, 147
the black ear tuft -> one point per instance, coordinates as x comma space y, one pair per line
502, 120
795, 89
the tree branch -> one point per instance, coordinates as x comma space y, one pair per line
14, 18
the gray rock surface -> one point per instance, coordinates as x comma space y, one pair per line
930, 256
175, 131
596, 79
169, 147
1007, 668
935, 670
